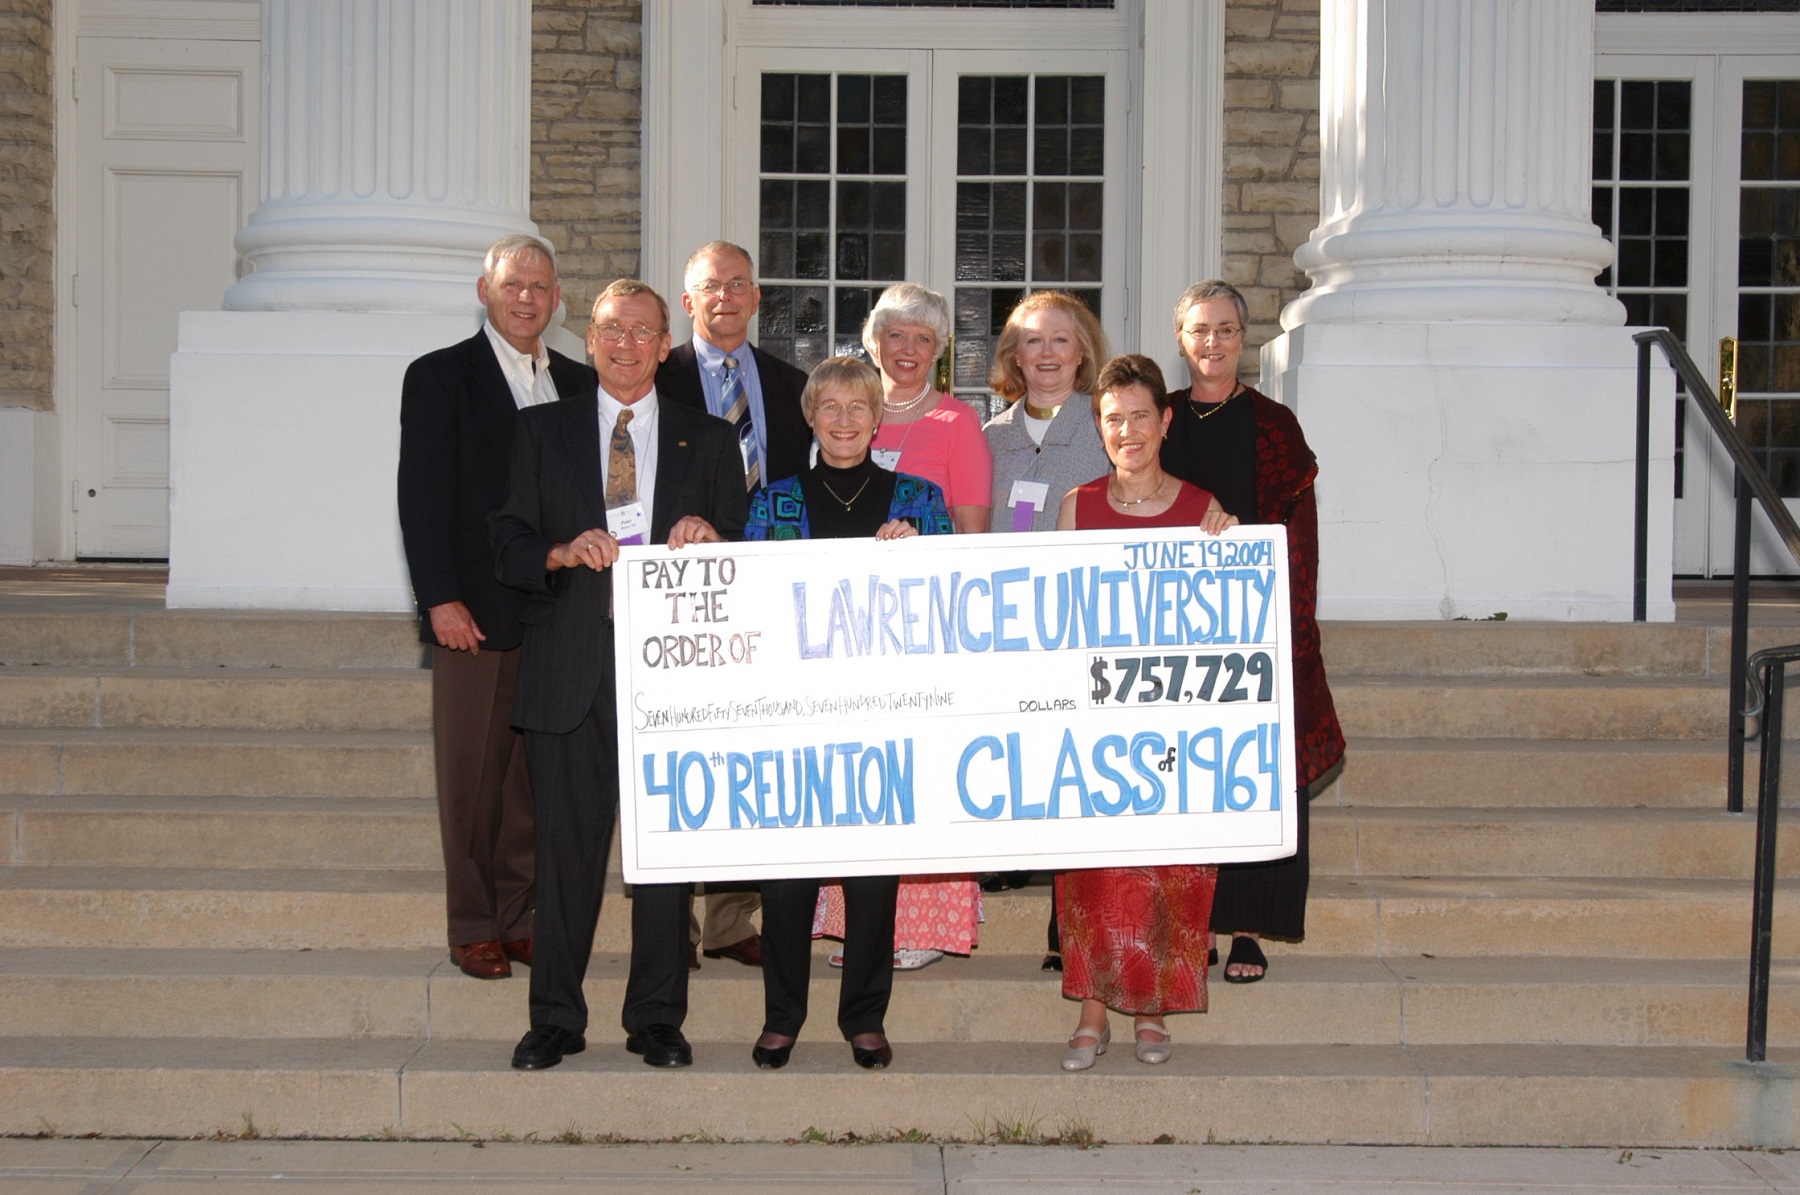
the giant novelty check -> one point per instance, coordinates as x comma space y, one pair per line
954, 704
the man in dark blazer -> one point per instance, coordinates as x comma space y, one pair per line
720, 293
587, 472
457, 408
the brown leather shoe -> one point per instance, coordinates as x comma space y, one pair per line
693, 958
747, 952
519, 950
483, 960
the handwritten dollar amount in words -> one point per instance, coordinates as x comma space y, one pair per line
1235, 676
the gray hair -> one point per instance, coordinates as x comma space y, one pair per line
516, 245
710, 248
1205, 292
906, 303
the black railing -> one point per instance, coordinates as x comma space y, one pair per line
1749, 481
1768, 674
1767, 670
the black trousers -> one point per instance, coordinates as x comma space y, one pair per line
575, 780
868, 979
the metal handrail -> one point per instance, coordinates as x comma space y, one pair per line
1750, 481
1771, 664
1765, 673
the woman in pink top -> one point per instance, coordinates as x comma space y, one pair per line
933, 435
924, 431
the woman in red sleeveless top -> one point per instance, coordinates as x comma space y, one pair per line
1134, 938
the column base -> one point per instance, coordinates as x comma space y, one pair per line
1474, 470
284, 438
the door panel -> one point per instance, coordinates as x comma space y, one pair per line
166, 141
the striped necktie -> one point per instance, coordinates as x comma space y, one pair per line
737, 413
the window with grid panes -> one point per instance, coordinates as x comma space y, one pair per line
831, 208
1643, 132
1030, 153
1768, 314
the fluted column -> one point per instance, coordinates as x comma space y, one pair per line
396, 149
1454, 184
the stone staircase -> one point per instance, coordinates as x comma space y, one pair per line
220, 913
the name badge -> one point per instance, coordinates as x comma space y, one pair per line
628, 524
887, 458
1026, 499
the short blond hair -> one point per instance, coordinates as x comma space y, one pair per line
848, 373
907, 303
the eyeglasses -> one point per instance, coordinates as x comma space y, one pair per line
1224, 334
614, 333
833, 410
712, 288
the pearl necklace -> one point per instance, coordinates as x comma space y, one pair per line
902, 408
1136, 501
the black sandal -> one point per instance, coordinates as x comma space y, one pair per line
1245, 953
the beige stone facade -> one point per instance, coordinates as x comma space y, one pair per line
27, 212
1271, 193
586, 72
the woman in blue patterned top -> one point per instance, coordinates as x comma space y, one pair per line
845, 495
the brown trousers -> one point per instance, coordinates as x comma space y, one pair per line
484, 796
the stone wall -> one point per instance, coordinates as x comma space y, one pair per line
586, 70
27, 195
1271, 195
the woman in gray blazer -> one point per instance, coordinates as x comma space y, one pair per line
1045, 443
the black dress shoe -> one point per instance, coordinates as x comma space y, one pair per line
661, 1045
873, 1058
771, 1058
545, 1046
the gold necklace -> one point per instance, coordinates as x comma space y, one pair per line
848, 502
1137, 501
1031, 412
1216, 407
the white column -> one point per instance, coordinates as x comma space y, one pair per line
1454, 172
1467, 387
397, 148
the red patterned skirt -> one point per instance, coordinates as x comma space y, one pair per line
1135, 938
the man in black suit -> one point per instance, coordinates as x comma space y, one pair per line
457, 408
759, 394
614, 464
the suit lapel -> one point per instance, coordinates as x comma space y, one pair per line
578, 428
674, 458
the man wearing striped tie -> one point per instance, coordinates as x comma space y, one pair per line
720, 372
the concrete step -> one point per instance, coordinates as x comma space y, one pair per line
306, 699
1455, 648
49, 991
1645, 843
1533, 707
405, 1087
362, 763
1481, 773
223, 832
1374, 917
351, 832
148, 635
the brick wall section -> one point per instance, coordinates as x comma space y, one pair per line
586, 72
1271, 193
27, 194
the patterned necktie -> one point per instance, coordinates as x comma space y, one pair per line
737, 413
621, 464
